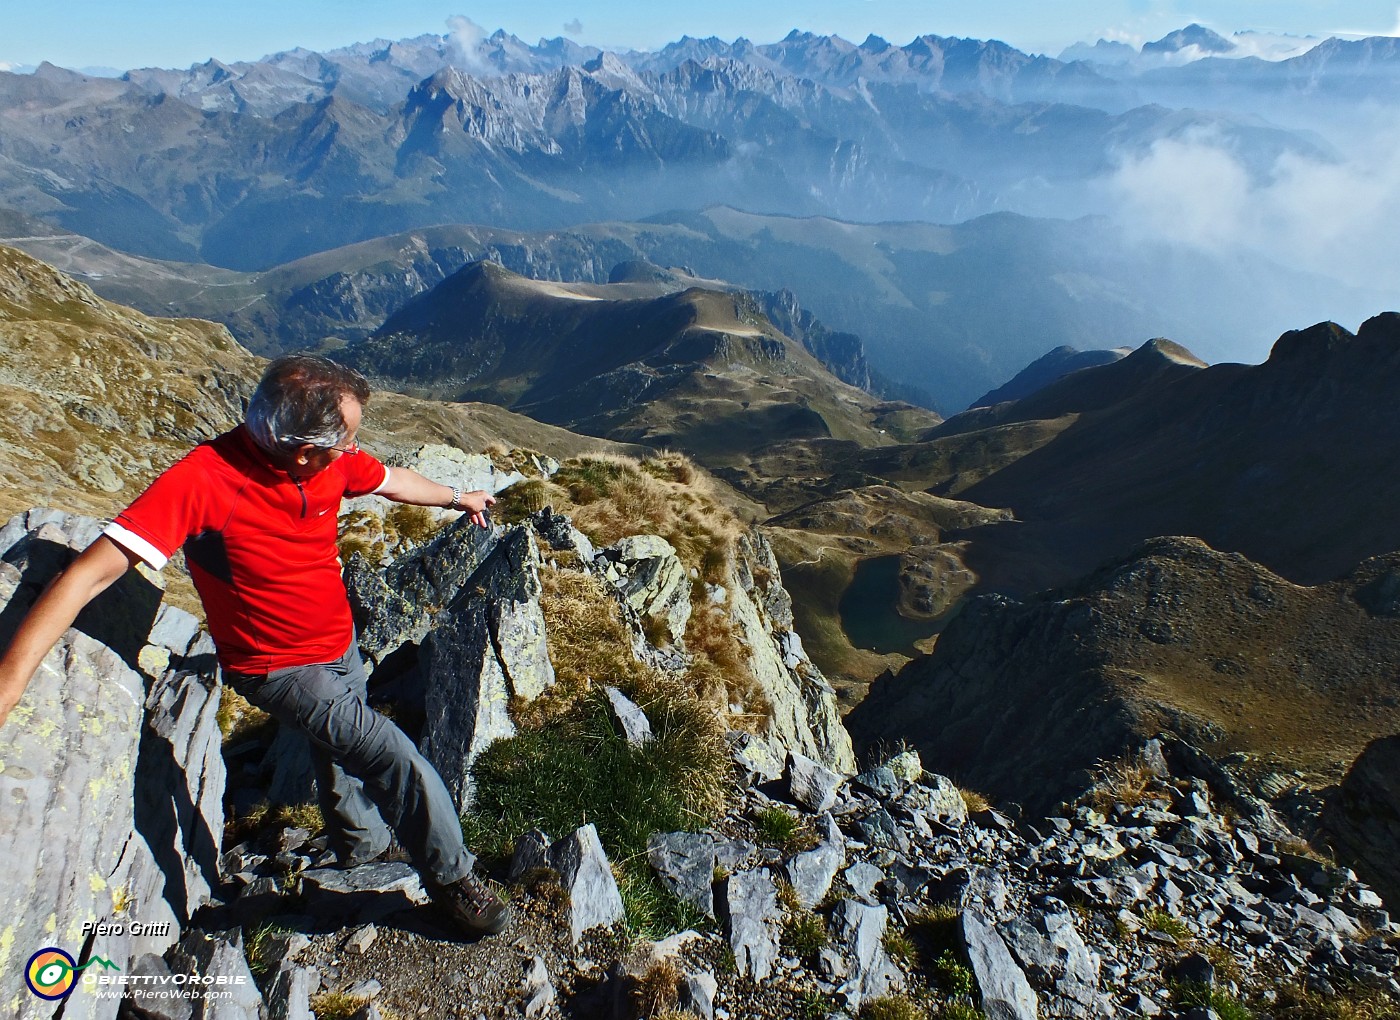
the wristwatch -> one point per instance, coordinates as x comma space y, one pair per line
456, 497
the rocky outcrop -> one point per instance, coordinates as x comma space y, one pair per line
488, 647
1362, 817
112, 772
803, 715
647, 573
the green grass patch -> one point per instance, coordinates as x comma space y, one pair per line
577, 769
782, 829
1191, 994
953, 975
937, 928
653, 911
900, 946
811, 1004
1160, 920
960, 1011
805, 934
257, 946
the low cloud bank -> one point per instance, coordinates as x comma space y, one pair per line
1338, 220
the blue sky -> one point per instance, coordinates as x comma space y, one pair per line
176, 33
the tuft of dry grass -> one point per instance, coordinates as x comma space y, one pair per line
237, 718
415, 525
531, 496
610, 497
712, 639
263, 815
974, 801
1128, 781
658, 989
337, 1005
892, 1007
1294, 1002
588, 643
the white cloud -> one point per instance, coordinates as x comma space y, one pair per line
466, 37
573, 28
1336, 219
1271, 45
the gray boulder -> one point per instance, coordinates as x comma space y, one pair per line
802, 714
1057, 961
488, 647
537, 990
686, 863
812, 871
812, 784
396, 607
289, 995
937, 797
145, 997
1006, 994
1363, 817
856, 959
446, 464
630, 719
531, 851
748, 906
697, 994
219, 958
559, 531
588, 880
79, 844
366, 893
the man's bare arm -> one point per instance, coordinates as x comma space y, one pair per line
407, 486
54, 612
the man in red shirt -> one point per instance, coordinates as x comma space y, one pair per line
256, 512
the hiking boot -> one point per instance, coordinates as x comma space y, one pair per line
472, 905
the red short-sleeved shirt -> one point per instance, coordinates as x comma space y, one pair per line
261, 548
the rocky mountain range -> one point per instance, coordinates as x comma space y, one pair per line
410, 134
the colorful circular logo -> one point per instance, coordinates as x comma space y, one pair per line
50, 973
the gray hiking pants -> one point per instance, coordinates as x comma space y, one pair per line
367, 770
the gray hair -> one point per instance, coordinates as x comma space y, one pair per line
298, 402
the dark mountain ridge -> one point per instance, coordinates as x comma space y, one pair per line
696, 369
1045, 370
1266, 460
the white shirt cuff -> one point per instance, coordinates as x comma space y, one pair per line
133, 542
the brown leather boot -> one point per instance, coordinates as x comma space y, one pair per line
472, 905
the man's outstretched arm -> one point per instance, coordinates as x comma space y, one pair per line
54, 612
405, 486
